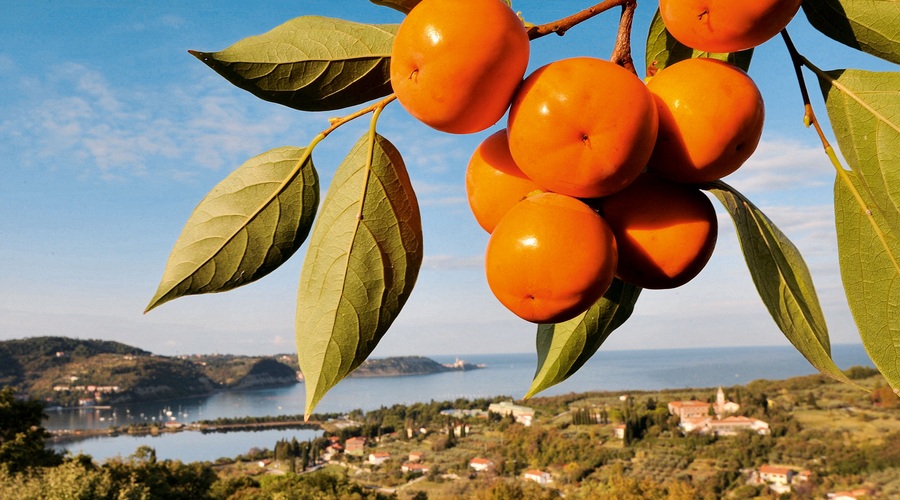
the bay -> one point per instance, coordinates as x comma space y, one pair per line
504, 375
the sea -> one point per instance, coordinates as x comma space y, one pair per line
507, 375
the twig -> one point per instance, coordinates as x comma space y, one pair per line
622, 50
337, 122
562, 25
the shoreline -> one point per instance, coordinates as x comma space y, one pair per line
65, 436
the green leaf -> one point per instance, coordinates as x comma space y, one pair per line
311, 63
364, 255
664, 50
869, 272
872, 26
864, 109
565, 347
782, 280
247, 226
403, 6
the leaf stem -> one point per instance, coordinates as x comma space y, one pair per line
374, 107
809, 118
376, 112
560, 26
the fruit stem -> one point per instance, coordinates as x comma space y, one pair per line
562, 25
622, 50
809, 118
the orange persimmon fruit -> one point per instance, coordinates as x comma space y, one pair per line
726, 25
582, 126
711, 118
494, 183
550, 258
456, 64
665, 231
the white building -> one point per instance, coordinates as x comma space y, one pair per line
540, 477
522, 414
379, 458
481, 464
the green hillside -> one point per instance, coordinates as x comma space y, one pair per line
68, 372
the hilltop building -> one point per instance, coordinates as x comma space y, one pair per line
689, 409
714, 418
522, 414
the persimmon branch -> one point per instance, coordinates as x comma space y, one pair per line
374, 107
622, 50
562, 25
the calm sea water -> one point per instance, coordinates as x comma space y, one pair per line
505, 375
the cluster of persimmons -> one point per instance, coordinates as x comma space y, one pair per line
596, 174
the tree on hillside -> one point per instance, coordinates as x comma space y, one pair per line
21, 434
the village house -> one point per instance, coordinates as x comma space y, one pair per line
379, 457
416, 456
540, 477
697, 409
522, 414
773, 474
332, 450
458, 413
481, 464
619, 431
355, 446
414, 468
854, 494
777, 478
689, 409
730, 426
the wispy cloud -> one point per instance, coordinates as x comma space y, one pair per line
167, 21
440, 194
783, 165
73, 118
445, 262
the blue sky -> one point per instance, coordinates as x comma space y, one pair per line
111, 133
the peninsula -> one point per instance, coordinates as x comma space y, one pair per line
71, 372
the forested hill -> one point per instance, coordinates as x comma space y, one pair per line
405, 365
69, 371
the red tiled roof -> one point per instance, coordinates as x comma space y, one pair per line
773, 469
688, 403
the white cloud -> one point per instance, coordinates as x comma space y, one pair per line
72, 118
444, 262
782, 165
172, 21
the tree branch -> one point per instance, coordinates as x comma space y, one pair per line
562, 25
622, 51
